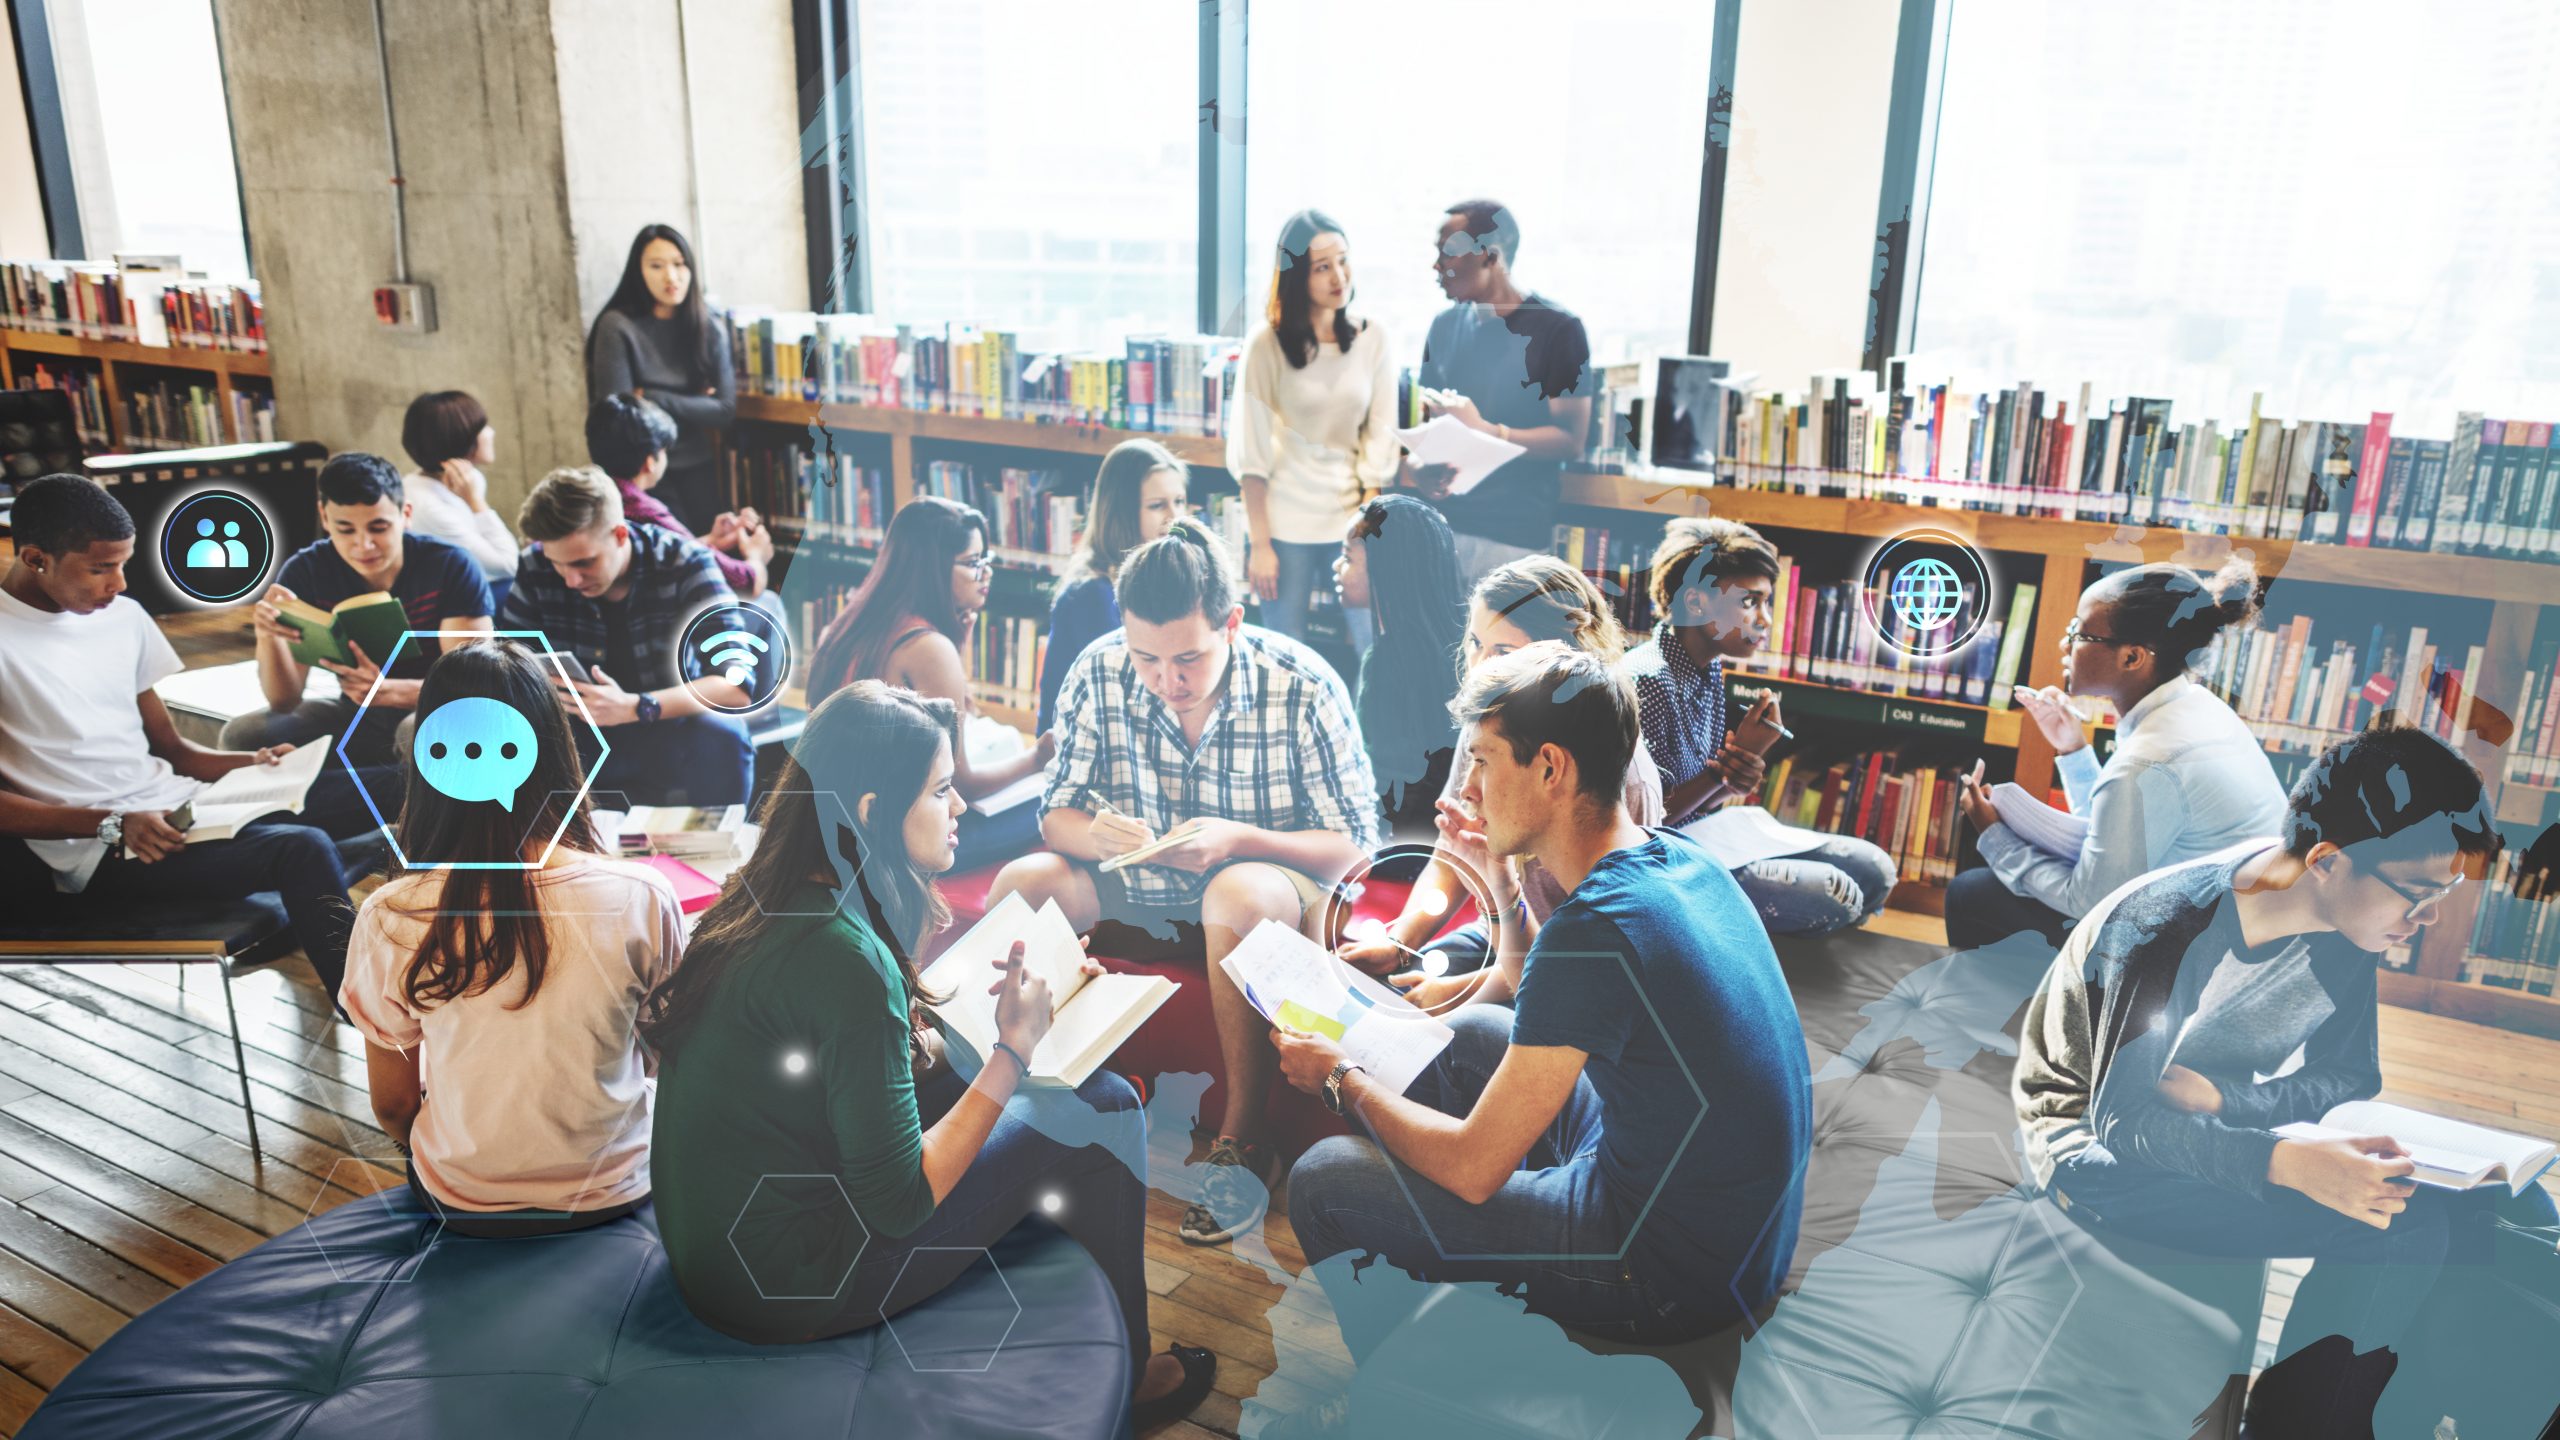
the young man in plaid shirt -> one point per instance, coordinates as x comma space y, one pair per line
618, 595
1243, 740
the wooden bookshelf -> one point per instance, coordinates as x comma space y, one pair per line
20, 351
2516, 590
905, 427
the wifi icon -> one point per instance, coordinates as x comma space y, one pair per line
734, 654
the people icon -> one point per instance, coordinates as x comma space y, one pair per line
208, 553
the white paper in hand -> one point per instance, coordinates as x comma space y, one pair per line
1452, 442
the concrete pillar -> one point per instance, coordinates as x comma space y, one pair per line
536, 136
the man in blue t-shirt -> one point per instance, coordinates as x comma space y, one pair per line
1513, 364
365, 548
1627, 1141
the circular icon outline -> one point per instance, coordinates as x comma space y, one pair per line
175, 518
772, 640
1947, 637
1344, 893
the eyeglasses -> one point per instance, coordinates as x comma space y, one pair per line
2418, 899
978, 564
2072, 635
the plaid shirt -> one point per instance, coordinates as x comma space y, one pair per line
1681, 708
671, 578
1281, 751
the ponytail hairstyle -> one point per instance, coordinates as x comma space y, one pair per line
1183, 570
1113, 528
1290, 311
1551, 601
2174, 611
868, 738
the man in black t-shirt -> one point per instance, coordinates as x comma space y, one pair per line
1513, 364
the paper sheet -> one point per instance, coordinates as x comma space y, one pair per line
1740, 835
1452, 442
1028, 788
2058, 833
1284, 973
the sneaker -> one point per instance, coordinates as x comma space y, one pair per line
1235, 1193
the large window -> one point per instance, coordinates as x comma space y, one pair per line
1031, 165
150, 131
1587, 118
2349, 205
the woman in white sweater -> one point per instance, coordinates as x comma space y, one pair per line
1311, 431
448, 437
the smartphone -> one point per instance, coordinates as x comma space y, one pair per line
576, 668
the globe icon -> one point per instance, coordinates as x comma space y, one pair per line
1927, 594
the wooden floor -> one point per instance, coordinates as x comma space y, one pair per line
125, 1170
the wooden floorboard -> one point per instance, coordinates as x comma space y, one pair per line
125, 1171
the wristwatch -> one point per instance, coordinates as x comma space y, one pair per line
646, 705
1333, 1083
111, 833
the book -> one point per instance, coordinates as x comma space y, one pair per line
1020, 792
220, 809
1090, 1014
1293, 981
694, 890
374, 620
685, 832
2451, 1154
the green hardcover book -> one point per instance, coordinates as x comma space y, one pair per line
2013, 643
374, 621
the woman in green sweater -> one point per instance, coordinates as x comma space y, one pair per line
799, 1072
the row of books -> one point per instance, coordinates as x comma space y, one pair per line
2534, 757
788, 481
144, 306
87, 391
2515, 937
1175, 385
169, 415
1909, 814
1004, 657
1038, 511
2297, 700
2490, 488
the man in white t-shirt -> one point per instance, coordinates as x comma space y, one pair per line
91, 766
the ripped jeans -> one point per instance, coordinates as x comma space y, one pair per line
1834, 885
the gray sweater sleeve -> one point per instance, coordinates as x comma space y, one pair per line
609, 367
2342, 1061
714, 411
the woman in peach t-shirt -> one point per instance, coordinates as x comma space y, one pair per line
500, 1003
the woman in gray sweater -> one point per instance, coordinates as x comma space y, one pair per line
657, 339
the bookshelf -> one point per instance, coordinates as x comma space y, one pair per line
2064, 551
120, 365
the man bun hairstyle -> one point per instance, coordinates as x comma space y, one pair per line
572, 500
353, 477
60, 514
1697, 553
1184, 570
1552, 694
2175, 611
2391, 794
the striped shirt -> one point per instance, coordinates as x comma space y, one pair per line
1681, 708
671, 578
1281, 752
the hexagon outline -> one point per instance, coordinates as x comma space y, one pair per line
890, 1321
749, 1203
411, 1265
817, 797
1397, 1167
604, 751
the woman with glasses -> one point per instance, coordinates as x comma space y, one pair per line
1714, 583
2186, 779
1137, 495
911, 625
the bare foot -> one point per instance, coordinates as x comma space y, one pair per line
1162, 1374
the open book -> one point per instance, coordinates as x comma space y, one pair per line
1092, 1014
221, 808
1295, 982
2451, 1155
2057, 833
373, 620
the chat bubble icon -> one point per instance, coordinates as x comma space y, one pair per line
475, 748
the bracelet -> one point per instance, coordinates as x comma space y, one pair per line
1023, 1067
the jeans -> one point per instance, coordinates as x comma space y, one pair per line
316, 720
1834, 885
1347, 1195
1305, 569
292, 855
1981, 911
1467, 949
1088, 1148
2365, 1284
682, 760
994, 839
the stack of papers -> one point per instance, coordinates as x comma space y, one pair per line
1297, 983
1473, 453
